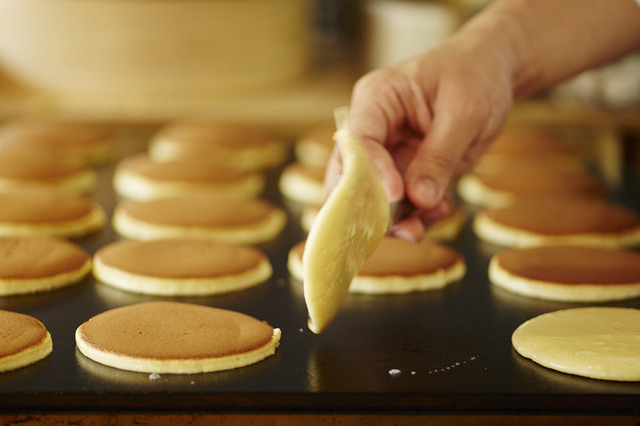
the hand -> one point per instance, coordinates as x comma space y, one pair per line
427, 120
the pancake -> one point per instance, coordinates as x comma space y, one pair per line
444, 229
35, 264
47, 211
175, 338
239, 147
22, 166
595, 342
83, 142
559, 221
303, 184
398, 266
140, 178
501, 188
23, 341
536, 142
313, 148
227, 219
185, 267
568, 273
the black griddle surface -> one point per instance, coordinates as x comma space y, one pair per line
450, 349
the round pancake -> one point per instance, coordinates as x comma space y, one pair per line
535, 142
398, 266
568, 273
23, 341
47, 211
227, 219
180, 267
35, 264
22, 166
77, 141
140, 178
313, 148
596, 342
559, 221
234, 146
501, 188
303, 184
175, 338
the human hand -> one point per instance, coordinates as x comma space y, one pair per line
425, 121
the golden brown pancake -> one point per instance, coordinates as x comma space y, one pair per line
303, 184
47, 211
175, 338
23, 166
568, 273
398, 266
77, 141
558, 221
23, 341
500, 188
595, 342
140, 178
227, 219
234, 146
35, 264
180, 267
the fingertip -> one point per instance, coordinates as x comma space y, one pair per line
424, 192
410, 229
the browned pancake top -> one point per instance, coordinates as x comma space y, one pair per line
38, 206
19, 332
173, 330
202, 210
184, 170
208, 134
33, 164
536, 181
573, 265
39, 257
566, 215
395, 256
65, 134
178, 258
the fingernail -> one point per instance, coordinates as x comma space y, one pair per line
402, 234
427, 190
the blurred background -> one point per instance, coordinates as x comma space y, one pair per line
278, 62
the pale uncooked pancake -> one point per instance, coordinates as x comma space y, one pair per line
175, 338
349, 227
35, 264
227, 219
313, 148
77, 141
397, 266
303, 184
23, 166
140, 178
44, 211
559, 221
233, 146
596, 342
180, 267
501, 188
568, 273
23, 341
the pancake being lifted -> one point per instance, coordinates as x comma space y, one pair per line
175, 338
349, 227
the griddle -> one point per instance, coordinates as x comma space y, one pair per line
444, 351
